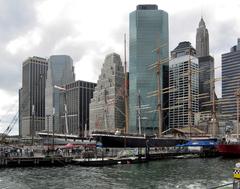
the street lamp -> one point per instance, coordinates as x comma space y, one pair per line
65, 106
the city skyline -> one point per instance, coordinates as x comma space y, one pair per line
33, 29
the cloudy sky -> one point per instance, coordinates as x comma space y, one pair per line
88, 30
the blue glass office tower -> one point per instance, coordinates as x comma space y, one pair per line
148, 31
60, 72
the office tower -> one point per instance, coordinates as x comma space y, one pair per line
206, 82
148, 31
60, 72
107, 105
206, 67
78, 97
230, 79
182, 57
202, 40
32, 96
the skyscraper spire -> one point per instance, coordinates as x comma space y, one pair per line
202, 40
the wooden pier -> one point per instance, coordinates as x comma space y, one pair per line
34, 161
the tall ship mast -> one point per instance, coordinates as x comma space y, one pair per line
126, 88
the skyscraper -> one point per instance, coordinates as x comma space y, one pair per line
202, 40
60, 72
179, 67
230, 79
78, 97
32, 96
148, 31
206, 66
107, 104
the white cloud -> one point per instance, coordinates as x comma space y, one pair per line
88, 30
25, 42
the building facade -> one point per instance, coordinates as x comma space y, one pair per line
206, 82
183, 58
32, 96
148, 31
230, 79
107, 105
78, 97
60, 72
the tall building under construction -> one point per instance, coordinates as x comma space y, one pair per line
107, 105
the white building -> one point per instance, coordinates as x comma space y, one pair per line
107, 104
181, 57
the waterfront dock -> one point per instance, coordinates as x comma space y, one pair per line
34, 161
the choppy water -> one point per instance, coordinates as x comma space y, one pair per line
187, 173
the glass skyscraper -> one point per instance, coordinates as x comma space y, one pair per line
148, 31
60, 72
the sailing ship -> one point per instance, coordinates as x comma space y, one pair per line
230, 146
120, 139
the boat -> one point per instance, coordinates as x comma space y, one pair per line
229, 148
113, 140
95, 162
205, 147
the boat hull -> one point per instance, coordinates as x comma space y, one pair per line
229, 150
113, 141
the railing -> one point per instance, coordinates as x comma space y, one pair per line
223, 185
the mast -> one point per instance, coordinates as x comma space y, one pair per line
159, 106
65, 111
125, 88
190, 93
214, 117
139, 114
105, 109
237, 96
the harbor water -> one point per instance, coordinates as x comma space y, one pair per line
174, 173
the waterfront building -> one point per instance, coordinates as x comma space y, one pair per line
148, 31
206, 66
230, 79
32, 96
181, 57
78, 97
60, 72
107, 105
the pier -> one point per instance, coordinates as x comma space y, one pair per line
34, 161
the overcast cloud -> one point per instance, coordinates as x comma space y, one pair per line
88, 30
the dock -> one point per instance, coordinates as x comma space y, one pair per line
34, 161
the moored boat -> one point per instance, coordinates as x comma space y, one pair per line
111, 140
229, 150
